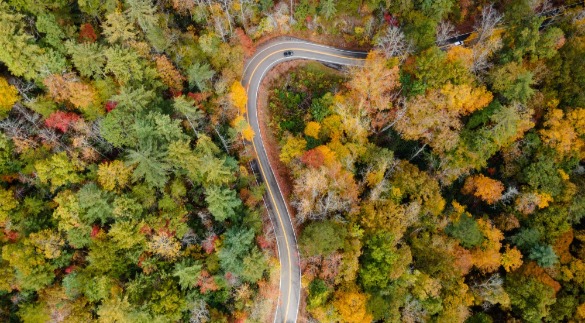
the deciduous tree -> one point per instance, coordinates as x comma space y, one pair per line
322, 238
117, 29
114, 175
485, 188
351, 306
58, 170
238, 96
312, 129
20, 53
511, 259
529, 296
8, 97
292, 148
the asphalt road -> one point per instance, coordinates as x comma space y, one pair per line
256, 68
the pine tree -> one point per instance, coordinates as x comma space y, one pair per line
221, 202
149, 165
328, 9
88, 58
200, 75
117, 29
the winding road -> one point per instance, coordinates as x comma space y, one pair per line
256, 68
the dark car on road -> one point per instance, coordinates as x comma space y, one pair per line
288, 53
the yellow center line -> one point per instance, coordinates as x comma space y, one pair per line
264, 173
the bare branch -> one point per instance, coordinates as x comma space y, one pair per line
393, 43
487, 22
445, 30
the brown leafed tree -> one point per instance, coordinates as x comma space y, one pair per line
170, 76
374, 86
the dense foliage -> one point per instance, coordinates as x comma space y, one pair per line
125, 191
436, 183
443, 183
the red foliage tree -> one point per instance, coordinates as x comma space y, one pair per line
209, 243
61, 120
313, 158
110, 105
87, 33
95, 230
245, 41
206, 282
175, 93
12, 236
263, 242
199, 97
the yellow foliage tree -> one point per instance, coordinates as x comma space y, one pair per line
465, 99
47, 243
8, 97
238, 96
293, 148
312, 129
165, 245
485, 188
242, 126
328, 155
248, 133
351, 307
461, 54
331, 127
580, 309
527, 202
565, 134
114, 176
7, 204
511, 259
341, 151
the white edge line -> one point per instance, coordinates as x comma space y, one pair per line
268, 159
299, 41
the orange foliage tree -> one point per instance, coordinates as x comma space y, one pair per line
68, 87
487, 189
313, 158
486, 257
245, 41
170, 76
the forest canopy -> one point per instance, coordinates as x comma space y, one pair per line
443, 180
